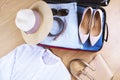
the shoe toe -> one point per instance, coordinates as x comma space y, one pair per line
83, 37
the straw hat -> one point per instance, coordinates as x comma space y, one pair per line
35, 23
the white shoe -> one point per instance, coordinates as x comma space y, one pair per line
96, 28
85, 24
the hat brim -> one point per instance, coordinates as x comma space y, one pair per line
45, 25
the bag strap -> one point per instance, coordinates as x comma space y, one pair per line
81, 71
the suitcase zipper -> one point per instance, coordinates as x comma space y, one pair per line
105, 2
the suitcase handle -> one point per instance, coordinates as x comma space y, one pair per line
106, 32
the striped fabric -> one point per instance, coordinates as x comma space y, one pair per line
31, 62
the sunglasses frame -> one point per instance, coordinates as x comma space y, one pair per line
61, 12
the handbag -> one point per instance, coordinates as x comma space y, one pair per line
97, 69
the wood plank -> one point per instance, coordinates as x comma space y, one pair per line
10, 36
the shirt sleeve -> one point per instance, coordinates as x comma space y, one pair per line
6, 65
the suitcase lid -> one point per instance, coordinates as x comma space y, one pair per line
91, 2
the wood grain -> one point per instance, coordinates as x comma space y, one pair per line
10, 36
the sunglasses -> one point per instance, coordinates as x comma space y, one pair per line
61, 12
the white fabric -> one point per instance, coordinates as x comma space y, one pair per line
69, 38
31, 62
25, 19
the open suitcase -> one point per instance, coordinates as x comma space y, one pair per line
67, 40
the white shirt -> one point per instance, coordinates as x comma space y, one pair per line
31, 62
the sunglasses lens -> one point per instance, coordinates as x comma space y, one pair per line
63, 12
54, 11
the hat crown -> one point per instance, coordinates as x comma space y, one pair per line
25, 19
35, 23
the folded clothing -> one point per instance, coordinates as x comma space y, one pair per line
70, 38
31, 62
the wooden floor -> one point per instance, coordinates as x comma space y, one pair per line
10, 36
